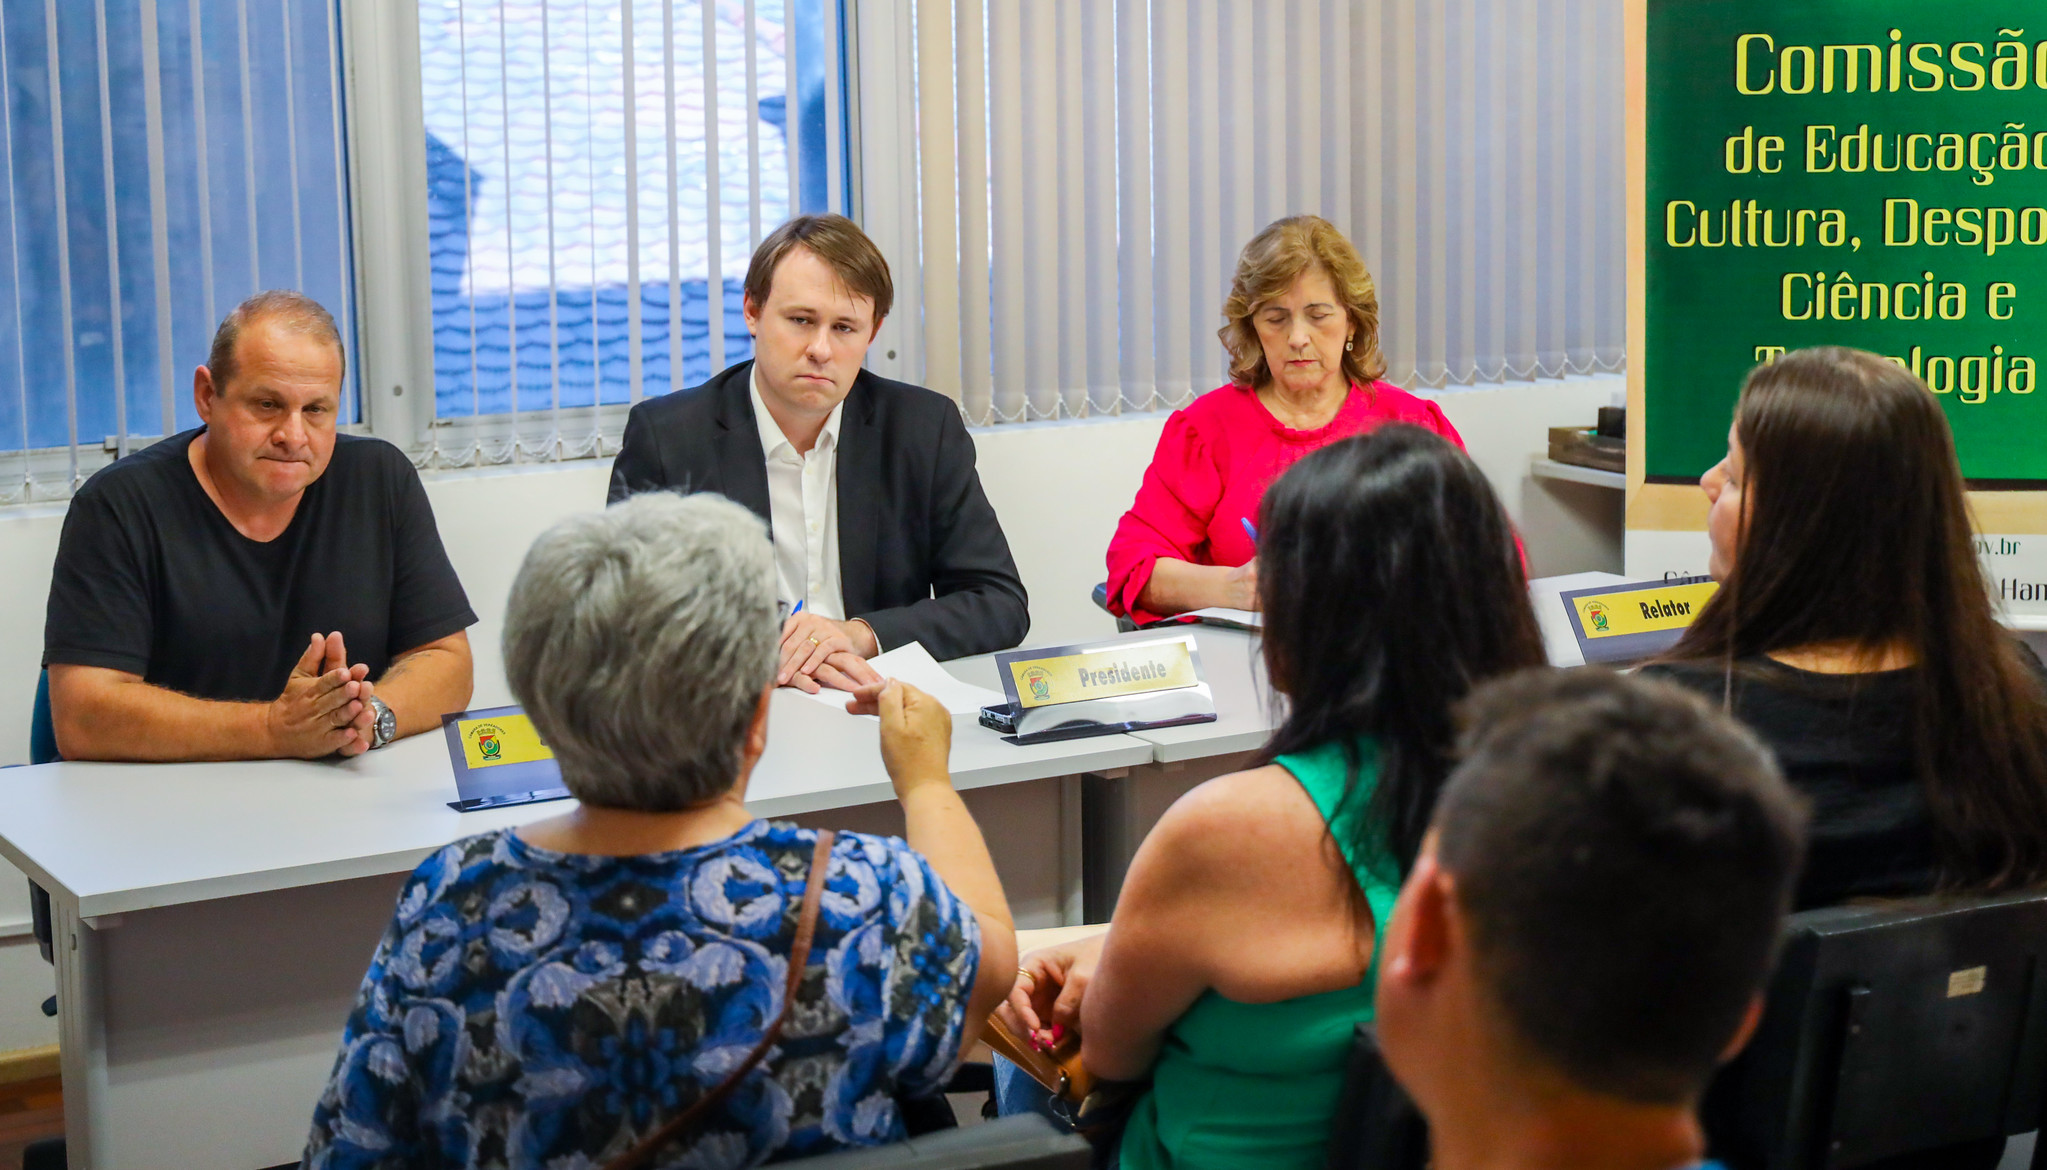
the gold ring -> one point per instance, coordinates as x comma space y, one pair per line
815, 642
1026, 973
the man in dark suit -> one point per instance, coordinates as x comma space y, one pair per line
882, 532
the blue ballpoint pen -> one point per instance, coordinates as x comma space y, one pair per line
1249, 529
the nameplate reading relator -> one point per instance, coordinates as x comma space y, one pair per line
1627, 623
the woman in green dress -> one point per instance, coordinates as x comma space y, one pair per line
1241, 953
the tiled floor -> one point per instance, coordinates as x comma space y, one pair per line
29, 1112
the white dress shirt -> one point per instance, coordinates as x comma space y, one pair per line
803, 510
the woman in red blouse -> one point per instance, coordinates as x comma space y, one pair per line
1302, 330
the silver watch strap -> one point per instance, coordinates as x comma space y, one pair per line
377, 737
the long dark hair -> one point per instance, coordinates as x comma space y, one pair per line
1856, 532
1391, 586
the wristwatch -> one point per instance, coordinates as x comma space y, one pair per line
384, 728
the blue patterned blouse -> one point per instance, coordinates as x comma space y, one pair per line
532, 1009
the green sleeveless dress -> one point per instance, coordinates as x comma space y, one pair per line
1255, 1085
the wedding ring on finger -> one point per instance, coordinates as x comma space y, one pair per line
1025, 972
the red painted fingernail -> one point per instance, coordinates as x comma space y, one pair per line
1058, 1033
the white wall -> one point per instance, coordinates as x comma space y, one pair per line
1058, 487
1565, 527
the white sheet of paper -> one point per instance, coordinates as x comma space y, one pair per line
1224, 616
913, 664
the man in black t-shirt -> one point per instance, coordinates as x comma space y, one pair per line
260, 587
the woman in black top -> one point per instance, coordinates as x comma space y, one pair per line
1853, 632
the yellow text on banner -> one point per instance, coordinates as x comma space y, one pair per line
1642, 610
1102, 674
506, 739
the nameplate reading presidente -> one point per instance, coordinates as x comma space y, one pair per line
1103, 674
1099, 688
1627, 623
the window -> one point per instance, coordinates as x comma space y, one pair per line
160, 160
1062, 187
1090, 170
596, 182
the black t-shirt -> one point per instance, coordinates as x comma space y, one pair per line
1845, 741
152, 579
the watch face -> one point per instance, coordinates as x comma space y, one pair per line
387, 723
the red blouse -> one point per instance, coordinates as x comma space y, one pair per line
1212, 466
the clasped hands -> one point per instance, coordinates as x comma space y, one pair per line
325, 707
818, 652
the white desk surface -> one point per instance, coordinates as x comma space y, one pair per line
114, 838
1246, 711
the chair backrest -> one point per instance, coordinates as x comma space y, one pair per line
1377, 1125
1101, 596
1026, 1142
1891, 1030
42, 730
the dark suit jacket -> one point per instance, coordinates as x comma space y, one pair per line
922, 557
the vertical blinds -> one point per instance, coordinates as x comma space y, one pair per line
599, 173
1090, 169
160, 160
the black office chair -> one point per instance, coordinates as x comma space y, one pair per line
1377, 1126
1894, 1031
1101, 595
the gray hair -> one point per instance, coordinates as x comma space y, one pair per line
292, 311
639, 640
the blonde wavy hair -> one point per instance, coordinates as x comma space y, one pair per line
1269, 265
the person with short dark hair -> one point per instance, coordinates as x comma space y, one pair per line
1587, 932
1854, 632
258, 587
882, 533
553, 995
1243, 947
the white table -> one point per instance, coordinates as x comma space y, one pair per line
212, 921
1119, 807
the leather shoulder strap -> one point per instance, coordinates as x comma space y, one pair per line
642, 1155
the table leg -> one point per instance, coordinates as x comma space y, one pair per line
81, 1036
1072, 852
201, 1034
1117, 810
1025, 826
1109, 837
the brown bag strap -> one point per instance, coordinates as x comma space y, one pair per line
642, 1155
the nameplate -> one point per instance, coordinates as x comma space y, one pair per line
505, 739
1131, 684
499, 759
1107, 673
1627, 623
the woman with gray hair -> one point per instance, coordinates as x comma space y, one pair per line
556, 995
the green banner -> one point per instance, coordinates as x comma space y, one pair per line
1870, 173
